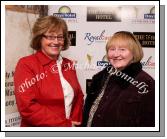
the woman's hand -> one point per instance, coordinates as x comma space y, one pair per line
74, 123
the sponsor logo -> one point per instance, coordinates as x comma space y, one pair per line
64, 9
147, 39
106, 14
148, 63
65, 15
102, 63
91, 38
148, 18
65, 12
89, 58
151, 15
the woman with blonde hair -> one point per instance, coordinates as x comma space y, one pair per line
121, 95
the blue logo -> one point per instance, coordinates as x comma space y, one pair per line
65, 15
65, 12
102, 63
149, 16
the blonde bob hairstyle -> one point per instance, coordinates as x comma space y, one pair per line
48, 24
127, 40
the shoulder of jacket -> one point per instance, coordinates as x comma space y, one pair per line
100, 74
145, 77
28, 60
145, 74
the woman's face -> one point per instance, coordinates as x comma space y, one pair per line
52, 43
120, 57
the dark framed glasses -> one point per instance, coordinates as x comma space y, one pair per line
51, 37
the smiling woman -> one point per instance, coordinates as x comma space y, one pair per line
121, 95
48, 98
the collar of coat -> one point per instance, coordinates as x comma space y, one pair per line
131, 71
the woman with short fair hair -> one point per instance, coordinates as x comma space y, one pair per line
121, 95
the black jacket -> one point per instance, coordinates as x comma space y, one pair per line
123, 104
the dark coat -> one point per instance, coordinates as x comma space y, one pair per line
122, 105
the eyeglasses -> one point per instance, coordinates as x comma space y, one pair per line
51, 38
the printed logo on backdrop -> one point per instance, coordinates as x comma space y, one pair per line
150, 15
103, 63
12, 118
65, 13
91, 38
88, 65
72, 36
145, 18
104, 14
148, 63
10, 102
147, 39
89, 58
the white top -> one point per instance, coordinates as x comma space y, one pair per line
67, 89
